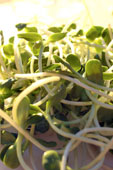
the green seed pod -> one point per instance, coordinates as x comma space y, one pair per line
10, 158
93, 70
51, 160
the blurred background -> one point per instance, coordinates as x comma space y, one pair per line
55, 12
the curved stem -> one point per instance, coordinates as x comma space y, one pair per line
64, 158
18, 60
30, 149
24, 132
28, 90
74, 80
19, 152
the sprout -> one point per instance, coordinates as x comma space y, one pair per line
51, 160
59, 82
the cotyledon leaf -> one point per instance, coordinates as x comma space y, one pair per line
94, 32
30, 36
74, 61
55, 29
56, 37
23, 111
51, 160
7, 137
93, 71
20, 26
47, 143
10, 158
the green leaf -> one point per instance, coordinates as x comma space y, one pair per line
25, 56
46, 143
60, 116
8, 49
94, 32
42, 126
7, 83
68, 168
51, 160
11, 39
61, 94
97, 57
35, 119
7, 138
74, 130
55, 29
3, 151
31, 29
35, 108
23, 111
79, 33
108, 76
74, 61
5, 89
56, 37
104, 114
25, 60
20, 83
58, 107
35, 47
52, 67
76, 92
10, 158
46, 49
93, 70
60, 60
60, 137
30, 36
98, 41
20, 26
104, 68
84, 96
103, 60
71, 26
106, 36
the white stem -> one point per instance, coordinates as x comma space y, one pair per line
18, 60
74, 80
44, 74
73, 103
19, 153
64, 158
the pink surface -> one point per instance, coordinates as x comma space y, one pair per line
83, 157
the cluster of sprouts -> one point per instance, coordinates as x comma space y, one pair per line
59, 79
